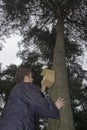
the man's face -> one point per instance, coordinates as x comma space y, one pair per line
28, 78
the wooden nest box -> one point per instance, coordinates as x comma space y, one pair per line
48, 77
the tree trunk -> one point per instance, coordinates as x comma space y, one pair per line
60, 89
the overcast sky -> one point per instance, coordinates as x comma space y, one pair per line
8, 53
83, 59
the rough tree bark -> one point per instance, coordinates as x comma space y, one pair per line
60, 89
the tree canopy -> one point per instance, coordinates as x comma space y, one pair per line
36, 20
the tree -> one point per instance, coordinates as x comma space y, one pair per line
45, 13
7, 81
61, 85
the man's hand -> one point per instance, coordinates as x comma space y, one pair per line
60, 103
43, 87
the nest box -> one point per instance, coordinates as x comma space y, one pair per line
48, 77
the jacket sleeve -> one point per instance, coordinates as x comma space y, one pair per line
44, 106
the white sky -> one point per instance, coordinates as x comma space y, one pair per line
83, 59
8, 53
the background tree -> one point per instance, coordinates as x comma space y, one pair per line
35, 18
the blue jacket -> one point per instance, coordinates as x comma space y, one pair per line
24, 102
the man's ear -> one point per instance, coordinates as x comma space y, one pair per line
25, 78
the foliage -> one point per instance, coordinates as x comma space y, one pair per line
37, 21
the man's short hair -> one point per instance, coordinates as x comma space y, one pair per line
21, 73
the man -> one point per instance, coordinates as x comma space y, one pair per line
24, 102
